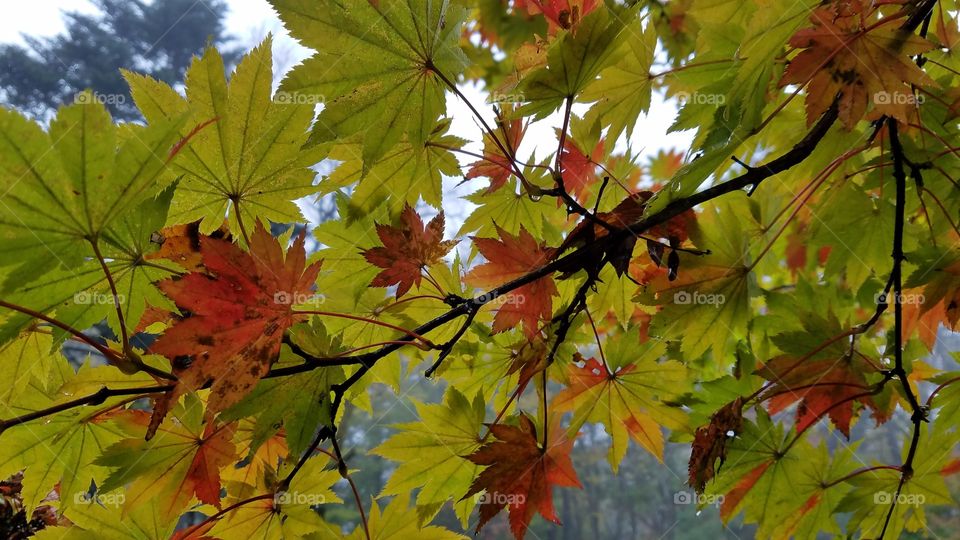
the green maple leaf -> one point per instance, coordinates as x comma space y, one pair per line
397, 522
81, 294
62, 189
707, 307
403, 175
62, 448
622, 91
107, 518
290, 513
625, 395
872, 494
23, 359
430, 453
504, 208
375, 67
786, 489
244, 159
575, 59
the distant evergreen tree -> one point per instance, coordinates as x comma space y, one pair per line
157, 38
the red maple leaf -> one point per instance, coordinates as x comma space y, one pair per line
507, 259
579, 171
495, 165
236, 308
824, 387
521, 474
407, 250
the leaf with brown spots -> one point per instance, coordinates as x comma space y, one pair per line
236, 309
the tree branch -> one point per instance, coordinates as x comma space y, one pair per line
918, 413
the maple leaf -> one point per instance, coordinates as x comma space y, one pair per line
626, 397
430, 452
623, 90
721, 279
574, 60
664, 165
509, 258
560, 14
407, 250
79, 179
403, 175
938, 272
495, 165
247, 163
238, 309
710, 443
578, 169
865, 63
819, 385
375, 67
397, 522
182, 461
521, 474
289, 513
181, 244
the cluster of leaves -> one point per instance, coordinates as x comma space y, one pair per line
761, 324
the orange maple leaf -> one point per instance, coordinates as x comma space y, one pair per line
495, 165
407, 250
236, 308
579, 171
507, 259
865, 62
560, 14
824, 387
521, 474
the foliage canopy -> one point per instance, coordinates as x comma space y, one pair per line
758, 308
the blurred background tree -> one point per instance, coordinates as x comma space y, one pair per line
156, 38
